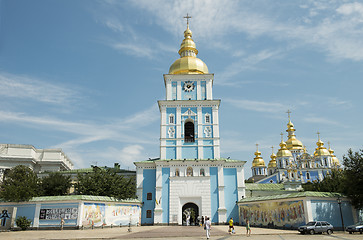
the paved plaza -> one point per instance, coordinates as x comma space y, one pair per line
168, 232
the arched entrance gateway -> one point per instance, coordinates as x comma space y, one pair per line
190, 213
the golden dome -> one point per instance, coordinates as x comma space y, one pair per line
272, 163
335, 160
188, 63
283, 151
258, 160
321, 150
292, 143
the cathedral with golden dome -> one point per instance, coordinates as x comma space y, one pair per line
292, 163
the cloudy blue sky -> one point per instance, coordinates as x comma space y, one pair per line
85, 75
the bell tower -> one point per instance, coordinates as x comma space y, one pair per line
189, 127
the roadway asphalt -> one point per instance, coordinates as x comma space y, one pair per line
167, 232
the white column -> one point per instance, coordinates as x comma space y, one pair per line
178, 90
169, 90
36, 215
216, 132
80, 214
178, 132
139, 182
240, 183
200, 132
199, 91
158, 211
222, 211
308, 211
163, 132
209, 89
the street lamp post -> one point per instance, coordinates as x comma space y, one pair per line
341, 215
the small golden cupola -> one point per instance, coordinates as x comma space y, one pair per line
320, 150
188, 63
283, 151
292, 142
334, 159
272, 163
258, 160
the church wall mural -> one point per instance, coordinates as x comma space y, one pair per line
101, 214
277, 214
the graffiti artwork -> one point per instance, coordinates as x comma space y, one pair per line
102, 214
58, 213
274, 214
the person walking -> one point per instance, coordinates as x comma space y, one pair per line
62, 223
230, 228
207, 226
248, 228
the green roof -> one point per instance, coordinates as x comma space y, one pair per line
265, 186
81, 197
292, 195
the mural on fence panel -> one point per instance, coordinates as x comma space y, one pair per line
274, 214
100, 214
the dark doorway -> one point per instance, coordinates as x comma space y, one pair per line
189, 132
190, 213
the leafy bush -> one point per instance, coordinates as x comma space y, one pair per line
23, 222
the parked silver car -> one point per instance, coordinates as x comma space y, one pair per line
316, 227
355, 228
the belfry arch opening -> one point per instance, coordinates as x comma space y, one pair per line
190, 212
189, 131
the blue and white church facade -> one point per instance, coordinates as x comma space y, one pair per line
190, 177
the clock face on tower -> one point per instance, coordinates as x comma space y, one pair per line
188, 86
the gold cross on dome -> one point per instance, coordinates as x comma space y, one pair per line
187, 17
318, 134
288, 113
282, 137
272, 149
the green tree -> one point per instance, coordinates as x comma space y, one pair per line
20, 184
55, 184
353, 172
106, 182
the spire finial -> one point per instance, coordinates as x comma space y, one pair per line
187, 17
256, 147
282, 137
272, 147
329, 144
288, 113
318, 135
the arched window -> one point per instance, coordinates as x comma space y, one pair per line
177, 174
189, 171
307, 175
201, 172
189, 131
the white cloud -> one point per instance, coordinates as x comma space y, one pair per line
257, 106
321, 120
134, 49
29, 88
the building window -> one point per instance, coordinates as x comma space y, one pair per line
201, 172
189, 171
171, 118
148, 213
177, 174
149, 196
189, 132
307, 175
207, 118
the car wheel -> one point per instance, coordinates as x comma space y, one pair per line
302, 233
361, 231
350, 232
329, 231
311, 232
